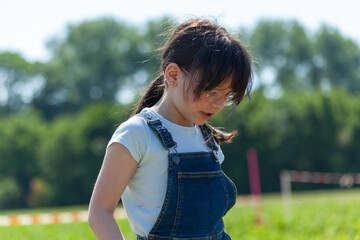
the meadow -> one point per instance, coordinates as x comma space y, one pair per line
316, 215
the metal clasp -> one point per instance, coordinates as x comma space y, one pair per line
175, 158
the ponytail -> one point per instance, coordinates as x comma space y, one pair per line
152, 95
219, 135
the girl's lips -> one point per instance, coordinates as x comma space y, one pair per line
207, 116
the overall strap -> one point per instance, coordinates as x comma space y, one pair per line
160, 130
209, 139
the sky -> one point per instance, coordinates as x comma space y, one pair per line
26, 26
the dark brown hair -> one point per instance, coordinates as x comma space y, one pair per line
211, 56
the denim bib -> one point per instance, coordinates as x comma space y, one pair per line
198, 193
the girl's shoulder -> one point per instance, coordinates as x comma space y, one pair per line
134, 135
135, 122
138, 121
136, 125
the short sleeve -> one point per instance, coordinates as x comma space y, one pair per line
133, 135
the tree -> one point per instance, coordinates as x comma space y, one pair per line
289, 57
19, 81
94, 60
20, 138
72, 154
283, 54
339, 58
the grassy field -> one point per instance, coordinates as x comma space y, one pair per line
320, 215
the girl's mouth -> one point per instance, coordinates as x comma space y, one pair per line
207, 116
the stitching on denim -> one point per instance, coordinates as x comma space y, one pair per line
216, 236
178, 207
185, 175
194, 154
160, 130
209, 138
166, 201
156, 237
209, 174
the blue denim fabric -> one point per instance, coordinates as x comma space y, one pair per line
198, 193
160, 130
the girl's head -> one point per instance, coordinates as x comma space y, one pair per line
211, 58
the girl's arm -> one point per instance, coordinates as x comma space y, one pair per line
117, 169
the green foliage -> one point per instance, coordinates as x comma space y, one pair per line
303, 131
52, 157
9, 190
57, 163
339, 58
96, 60
72, 154
291, 58
90, 64
16, 77
21, 136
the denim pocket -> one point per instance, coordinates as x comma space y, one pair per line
202, 202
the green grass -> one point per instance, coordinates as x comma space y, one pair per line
321, 215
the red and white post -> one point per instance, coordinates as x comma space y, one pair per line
285, 184
255, 186
288, 176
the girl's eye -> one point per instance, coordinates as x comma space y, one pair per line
213, 93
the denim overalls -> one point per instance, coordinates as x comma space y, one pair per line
198, 193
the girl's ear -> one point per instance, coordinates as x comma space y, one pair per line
172, 73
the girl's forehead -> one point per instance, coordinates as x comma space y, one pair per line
224, 86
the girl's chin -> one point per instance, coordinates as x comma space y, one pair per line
200, 122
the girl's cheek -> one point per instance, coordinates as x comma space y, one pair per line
203, 98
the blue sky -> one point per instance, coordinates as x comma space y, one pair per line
25, 26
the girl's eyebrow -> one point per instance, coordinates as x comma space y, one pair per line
222, 89
224, 86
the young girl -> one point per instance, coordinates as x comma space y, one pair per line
164, 162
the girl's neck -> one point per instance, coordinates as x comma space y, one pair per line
167, 110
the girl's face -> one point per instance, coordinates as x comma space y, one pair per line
192, 110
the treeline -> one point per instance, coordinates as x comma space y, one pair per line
57, 116
309, 131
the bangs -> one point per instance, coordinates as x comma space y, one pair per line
218, 61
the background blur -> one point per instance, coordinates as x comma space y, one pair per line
71, 71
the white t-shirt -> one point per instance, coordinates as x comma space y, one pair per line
145, 193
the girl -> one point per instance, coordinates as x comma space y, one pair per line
164, 162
